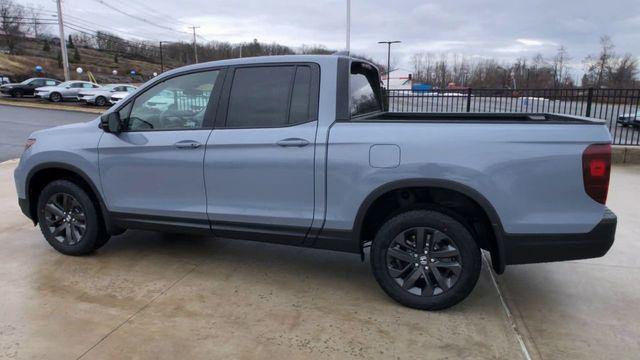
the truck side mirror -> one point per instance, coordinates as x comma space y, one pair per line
111, 122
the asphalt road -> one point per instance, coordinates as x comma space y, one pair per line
16, 123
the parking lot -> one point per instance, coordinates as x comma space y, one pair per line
153, 295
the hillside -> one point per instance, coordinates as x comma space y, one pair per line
100, 63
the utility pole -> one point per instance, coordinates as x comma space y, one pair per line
195, 45
240, 49
161, 60
348, 42
63, 43
389, 57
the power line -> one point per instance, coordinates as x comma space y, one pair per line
138, 18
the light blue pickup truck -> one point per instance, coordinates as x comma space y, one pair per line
298, 150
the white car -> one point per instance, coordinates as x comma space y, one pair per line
67, 90
102, 96
115, 97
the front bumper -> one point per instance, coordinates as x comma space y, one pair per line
537, 248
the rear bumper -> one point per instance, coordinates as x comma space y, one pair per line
536, 248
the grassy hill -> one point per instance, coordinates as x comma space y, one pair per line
100, 63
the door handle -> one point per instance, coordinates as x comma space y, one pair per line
187, 144
293, 142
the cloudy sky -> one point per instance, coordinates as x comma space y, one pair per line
476, 28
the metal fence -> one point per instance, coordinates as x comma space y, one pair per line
620, 108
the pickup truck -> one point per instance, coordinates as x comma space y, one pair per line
298, 150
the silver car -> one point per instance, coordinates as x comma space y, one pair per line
67, 90
102, 95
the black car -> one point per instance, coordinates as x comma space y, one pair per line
27, 87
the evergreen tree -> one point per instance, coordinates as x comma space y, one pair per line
45, 46
115, 58
70, 43
59, 59
76, 56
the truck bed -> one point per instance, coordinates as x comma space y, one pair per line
502, 118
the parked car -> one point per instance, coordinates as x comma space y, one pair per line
4, 80
630, 119
67, 90
297, 150
102, 95
117, 96
27, 87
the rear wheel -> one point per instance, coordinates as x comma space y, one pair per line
425, 259
55, 97
69, 219
18, 93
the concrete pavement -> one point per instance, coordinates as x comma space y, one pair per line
151, 295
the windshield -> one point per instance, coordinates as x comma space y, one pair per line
66, 83
27, 81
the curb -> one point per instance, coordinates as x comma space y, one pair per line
622, 154
51, 107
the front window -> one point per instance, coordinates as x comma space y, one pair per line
178, 103
26, 82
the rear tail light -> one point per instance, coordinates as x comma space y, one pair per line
596, 168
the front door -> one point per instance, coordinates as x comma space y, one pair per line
259, 165
152, 172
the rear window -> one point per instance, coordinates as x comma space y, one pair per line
364, 89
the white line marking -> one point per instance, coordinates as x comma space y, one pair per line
514, 327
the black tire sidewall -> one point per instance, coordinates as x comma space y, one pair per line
93, 233
55, 97
101, 101
18, 93
469, 252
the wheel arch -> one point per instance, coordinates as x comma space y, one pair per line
42, 174
497, 253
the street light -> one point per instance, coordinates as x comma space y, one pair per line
389, 56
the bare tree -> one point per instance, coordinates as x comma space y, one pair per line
12, 24
36, 26
560, 66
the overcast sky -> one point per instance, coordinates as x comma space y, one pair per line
483, 28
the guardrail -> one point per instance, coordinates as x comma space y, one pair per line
619, 108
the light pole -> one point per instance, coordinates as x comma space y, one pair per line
348, 40
389, 56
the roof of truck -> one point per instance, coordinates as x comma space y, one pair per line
262, 60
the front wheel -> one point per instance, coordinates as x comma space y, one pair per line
101, 101
425, 259
69, 219
55, 97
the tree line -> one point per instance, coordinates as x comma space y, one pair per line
606, 69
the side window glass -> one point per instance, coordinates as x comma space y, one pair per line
362, 93
259, 97
51, 83
178, 103
299, 112
76, 85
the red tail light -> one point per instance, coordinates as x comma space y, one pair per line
596, 168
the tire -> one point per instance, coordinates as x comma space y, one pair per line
17, 94
101, 101
69, 219
55, 97
444, 275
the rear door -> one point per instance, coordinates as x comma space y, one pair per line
152, 172
259, 165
